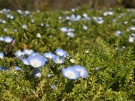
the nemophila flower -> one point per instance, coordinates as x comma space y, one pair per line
67, 18
131, 39
1, 55
82, 70
37, 73
70, 30
87, 51
69, 23
60, 17
85, 15
64, 29
17, 68
42, 24
1, 39
8, 39
85, 27
31, 15
114, 20
15, 30
28, 52
27, 12
118, 33
32, 21
78, 17
58, 59
133, 20
61, 52
19, 11
49, 75
50, 36
97, 68
72, 60
38, 35
36, 60
5, 29
53, 87
33, 92
70, 34
72, 17
4, 21
47, 25
105, 13
38, 11
72, 9
19, 54
24, 26
8, 15
4, 69
127, 29
100, 21
116, 48
11, 17
25, 61
125, 22
132, 28
70, 73
49, 55
108, 13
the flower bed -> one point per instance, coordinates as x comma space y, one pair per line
81, 55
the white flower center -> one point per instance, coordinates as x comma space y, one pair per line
36, 63
70, 75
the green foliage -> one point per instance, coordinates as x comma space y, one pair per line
91, 48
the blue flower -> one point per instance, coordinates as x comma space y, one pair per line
8, 39
1, 55
97, 68
53, 87
42, 24
18, 68
49, 55
28, 52
118, 33
37, 73
61, 52
1, 39
36, 60
70, 73
49, 75
4, 68
38, 35
71, 34
82, 70
19, 54
24, 26
131, 39
64, 29
25, 61
58, 60
85, 27
15, 30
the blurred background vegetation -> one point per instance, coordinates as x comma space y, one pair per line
63, 4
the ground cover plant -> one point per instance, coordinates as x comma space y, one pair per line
79, 55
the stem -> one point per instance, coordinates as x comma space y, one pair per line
97, 93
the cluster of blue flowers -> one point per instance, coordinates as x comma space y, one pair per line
74, 72
37, 61
6, 39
